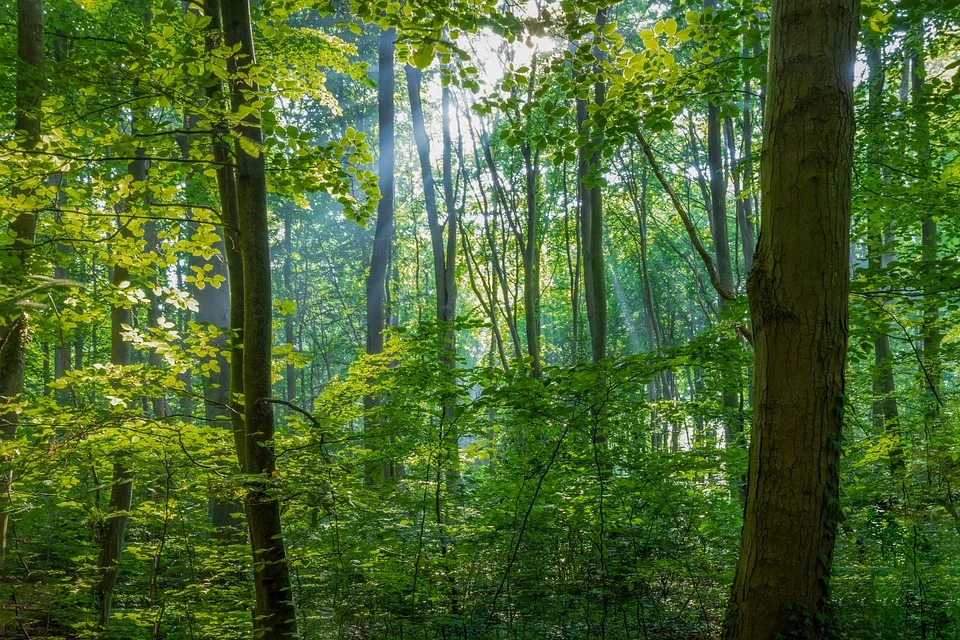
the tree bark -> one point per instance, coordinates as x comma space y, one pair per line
274, 616
291, 371
591, 219
230, 380
383, 234
928, 233
227, 190
444, 249
14, 334
121, 489
531, 260
886, 413
732, 427
798, 300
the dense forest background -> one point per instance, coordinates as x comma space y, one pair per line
484, 268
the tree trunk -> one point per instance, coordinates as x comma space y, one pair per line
275, 616
928, 239
227, 189
654, 336
121, 491
591, 220
497, 262
531, 260
748, 239
444, 249
886, 413
748, 233
14, 332
798, 300
447, 297
732, 426
574, 256
291, 372
383, 234
228, 300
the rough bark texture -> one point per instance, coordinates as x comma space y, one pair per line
275, 617
798, 299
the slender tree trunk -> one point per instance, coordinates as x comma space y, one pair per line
291, 372
748, 241
531, 260
798, 300
227, 190
444, 249
929, 240
496, 258
121, 490
275, 616
447, 302
14, 333
721, 250
653, 327
748, 234
160, 405
383, 234
591, 220
573, 253
886, 413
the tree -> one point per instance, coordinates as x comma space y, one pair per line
444, 249
590, 196
798, 301
274, 616
14, 331
377, 280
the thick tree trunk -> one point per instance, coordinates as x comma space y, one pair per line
14, 333
798, 299
275, 616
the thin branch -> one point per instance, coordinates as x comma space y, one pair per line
684, 216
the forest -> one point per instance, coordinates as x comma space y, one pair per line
480, 319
